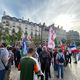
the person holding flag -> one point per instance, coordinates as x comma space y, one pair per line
74, 50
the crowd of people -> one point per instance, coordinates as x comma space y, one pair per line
8, 56
36, 63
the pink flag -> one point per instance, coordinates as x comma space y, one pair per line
52, 36
29, 37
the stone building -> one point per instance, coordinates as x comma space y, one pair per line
72, 35
60, 33
14, 23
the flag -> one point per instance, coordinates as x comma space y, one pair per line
52, 36
72, 47
24, 46
29, 37
56, 42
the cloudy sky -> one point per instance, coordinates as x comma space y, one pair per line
65, 13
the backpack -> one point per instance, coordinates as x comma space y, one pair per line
61, 59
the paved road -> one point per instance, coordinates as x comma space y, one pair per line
72, 72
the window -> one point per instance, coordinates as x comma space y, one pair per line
13, 26
3, 22
7, 23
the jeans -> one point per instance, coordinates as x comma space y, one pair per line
2, 74
60, 71
55, 67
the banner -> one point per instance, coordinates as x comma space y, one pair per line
72, 46
52, 36
24, 46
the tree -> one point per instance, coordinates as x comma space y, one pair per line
6, 30
13, 36
19, 33
6, 36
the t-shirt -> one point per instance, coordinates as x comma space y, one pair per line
28, 66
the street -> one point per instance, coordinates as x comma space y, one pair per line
71, 72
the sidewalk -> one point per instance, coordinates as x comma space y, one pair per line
72, 72
14, 75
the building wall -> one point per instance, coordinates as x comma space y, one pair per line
25, 25
60, 32
73, 35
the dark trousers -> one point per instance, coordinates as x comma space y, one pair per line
66, 60
49, 70
44, 69
69, 58
2, 74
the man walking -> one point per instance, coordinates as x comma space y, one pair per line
29, 66
60, 62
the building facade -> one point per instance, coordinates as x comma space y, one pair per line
72, 35
14, 23
60, 33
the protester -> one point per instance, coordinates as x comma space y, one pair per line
66, 55
75, 57
36, 55
70, 54
29, 66
10, 61
4, 57
17, 56
11, 55
60, 61
54, 57
39, 49
45, 63
50, 53
14, 51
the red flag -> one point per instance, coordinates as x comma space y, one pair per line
52, 36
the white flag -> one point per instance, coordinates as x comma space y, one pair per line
52, 36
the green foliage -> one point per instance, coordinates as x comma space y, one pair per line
13, 36
19, 34
37, 40
10, 38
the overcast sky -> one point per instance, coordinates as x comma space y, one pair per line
65, 13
